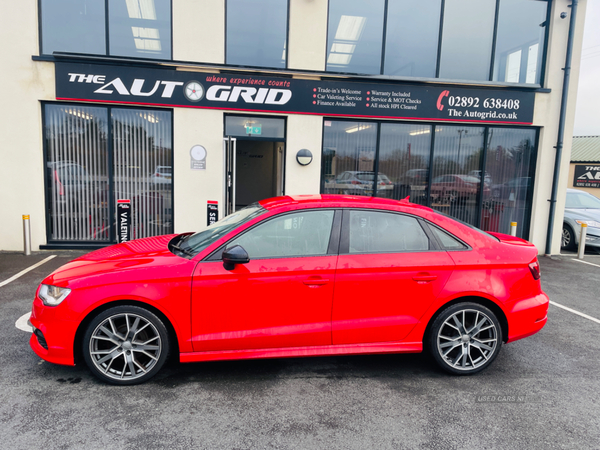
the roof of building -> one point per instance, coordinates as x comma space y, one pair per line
585, 149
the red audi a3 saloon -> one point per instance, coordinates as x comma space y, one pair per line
294, 276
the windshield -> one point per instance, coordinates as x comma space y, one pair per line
582, 200
468, 225
201, 240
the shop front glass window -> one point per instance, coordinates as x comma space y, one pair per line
411, 45
140, 28
404, 161
77, 173
467, 39
508, 171
349, 157
456, 177
520, 41
257, 33
76, 26
355, 36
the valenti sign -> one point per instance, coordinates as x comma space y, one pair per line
168, 87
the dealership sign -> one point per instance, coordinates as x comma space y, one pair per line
587, 176
169, 87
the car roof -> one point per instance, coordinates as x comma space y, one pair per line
336, 201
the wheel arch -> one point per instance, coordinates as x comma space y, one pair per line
491, 305
77, 348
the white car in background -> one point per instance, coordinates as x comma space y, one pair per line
360, 183
162, 175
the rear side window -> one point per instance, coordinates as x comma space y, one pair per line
381, 232
448, 242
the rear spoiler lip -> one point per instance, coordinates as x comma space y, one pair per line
508, 239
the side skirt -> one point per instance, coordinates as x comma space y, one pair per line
299, 352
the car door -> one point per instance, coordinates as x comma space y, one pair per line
388, 274
281, 298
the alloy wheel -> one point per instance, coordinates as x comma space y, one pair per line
467, 340
125, 347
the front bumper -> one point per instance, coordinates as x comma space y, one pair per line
527, 316
58, 332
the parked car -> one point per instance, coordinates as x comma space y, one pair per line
512, 190
360, 183
294, 276
454, 187
580, 208
477, 174
162, 175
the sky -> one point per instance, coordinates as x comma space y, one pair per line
587, 115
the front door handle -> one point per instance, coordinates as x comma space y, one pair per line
424, 277
316, 281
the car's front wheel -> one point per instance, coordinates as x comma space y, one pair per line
568, 238
465, 338
125, 345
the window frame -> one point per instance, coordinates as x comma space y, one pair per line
106, 35
61, 244
344, 248
332, 246
287, 40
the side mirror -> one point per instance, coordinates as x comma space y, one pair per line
234, 255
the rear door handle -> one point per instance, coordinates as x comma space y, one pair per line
316, 281
426, 277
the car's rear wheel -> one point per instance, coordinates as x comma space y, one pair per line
568, 238
465, 338
125, 345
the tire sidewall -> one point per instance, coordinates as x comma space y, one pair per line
101, 317
571, 245
431, 338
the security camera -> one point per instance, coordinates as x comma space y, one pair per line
563, 15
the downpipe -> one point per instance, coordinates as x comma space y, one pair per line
561, 126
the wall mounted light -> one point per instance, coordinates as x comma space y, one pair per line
304, 157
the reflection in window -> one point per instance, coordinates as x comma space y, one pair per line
140, 28
348, 157
76, 26
299, 234
355, 36
411, 44
467, 39
521, 31
404, 158
455, 185
379, 232
508, 168
256, 33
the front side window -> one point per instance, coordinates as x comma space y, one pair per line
355, 36
135, 28
304, 233
257, 33
381, 232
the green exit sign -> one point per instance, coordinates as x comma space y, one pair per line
254, 129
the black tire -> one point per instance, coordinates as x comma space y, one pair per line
567, 241
125, 345
460, 355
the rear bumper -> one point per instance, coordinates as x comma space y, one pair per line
527, 317
59, 334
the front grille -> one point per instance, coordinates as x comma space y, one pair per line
41, 339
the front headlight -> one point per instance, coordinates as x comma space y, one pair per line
589, 223
53, 295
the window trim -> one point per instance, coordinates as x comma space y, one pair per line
429, 227
332, 247
106, 36
58, 244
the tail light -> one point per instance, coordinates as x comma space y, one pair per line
356, 182
61, 189
534, 267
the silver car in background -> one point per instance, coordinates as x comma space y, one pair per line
581, 207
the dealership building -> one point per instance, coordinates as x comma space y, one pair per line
187, 110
